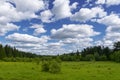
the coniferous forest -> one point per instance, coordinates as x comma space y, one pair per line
95, 53
10, 52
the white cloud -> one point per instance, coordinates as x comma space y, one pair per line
54, 45
74, 44
110, 20
61, 9
86, 14
112, 2
28, 5
46, 16
112, 35
69, 37
72, 36
7, 27
73, 31
108, 2
79, 35
111, 29
76, 40
74, 5
38, 29
100, 2
33, 44
25, 38
77, 43
23, 10
8, 13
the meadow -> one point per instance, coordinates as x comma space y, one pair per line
70, 71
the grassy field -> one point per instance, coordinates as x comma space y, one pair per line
70, 71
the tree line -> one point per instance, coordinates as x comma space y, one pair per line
95, 53
7, 51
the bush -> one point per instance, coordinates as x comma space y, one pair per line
52, 66
17, 59
90, 57
97, 56
45, 66
115, 56
37, 60
103, 58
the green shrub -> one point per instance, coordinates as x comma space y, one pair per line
90, 57
37, 60
17, 59
58, 60
52, 66
103, 58
45, 66
115, 56
97, 56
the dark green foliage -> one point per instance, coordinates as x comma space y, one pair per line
45, 66
89, 57
71, 56
100, 50
115, 56
100, 53
52, 66
117, 46
103, 58
37, 60
9, 52
17, 59
96, 55
58, 59
2, 52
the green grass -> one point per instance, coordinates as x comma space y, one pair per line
70, 71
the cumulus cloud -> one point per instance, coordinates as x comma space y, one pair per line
17, 10
76, 40
68, 37
73, 31
100, 1
112, 34
86, 14
28, 5
46, 16
77, 43
9, 13
7, 27
73, 36
110, 20
74, 5
108, 2
34, 44
38, 29
61, 9
25, 38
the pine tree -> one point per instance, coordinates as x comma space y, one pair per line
2, 52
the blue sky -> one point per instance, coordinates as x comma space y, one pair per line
50, 27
